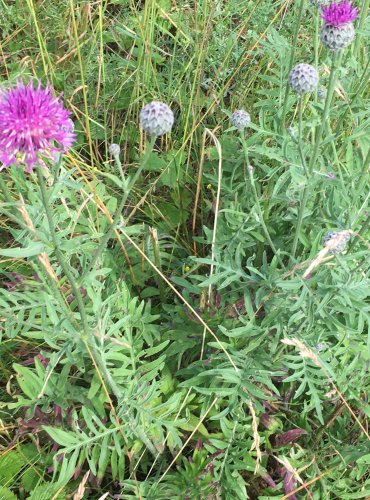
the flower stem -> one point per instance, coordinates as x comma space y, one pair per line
316, 150
316, 46
325, 114
127, 187
119, 165
59, 255
361, 24
86, 336
257, 201
299, 141
291, 60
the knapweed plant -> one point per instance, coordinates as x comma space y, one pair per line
184, 256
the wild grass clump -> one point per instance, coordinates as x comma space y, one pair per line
184, 250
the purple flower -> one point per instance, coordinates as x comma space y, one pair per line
337, 14
330, 176
33, 125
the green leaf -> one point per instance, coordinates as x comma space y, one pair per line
7, 494
156, 349
364, 460
28, 381
21, 253
64, 438
46, 491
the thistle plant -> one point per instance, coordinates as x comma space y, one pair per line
114, 150
240, 119
316, 149
115, 259
303, 78
34, 126
338, 31
38, 127
156, 118
291, 61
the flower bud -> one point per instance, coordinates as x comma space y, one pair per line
114, 150
303, 78
337, 37
240, 119
156, 118
338, 31
321, 93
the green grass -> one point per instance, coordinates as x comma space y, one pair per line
210, 367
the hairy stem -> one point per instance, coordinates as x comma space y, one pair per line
59, 255
299, 141
316, 151
117, 161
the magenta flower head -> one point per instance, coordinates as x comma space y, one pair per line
337, 14
34, 126
338, 31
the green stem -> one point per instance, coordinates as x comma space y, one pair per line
316, 44
245, 147
257, 201
300, 219
59, 255
365, 166
128, 185
316, 151
325, 114
119, 165
363, 179
87, 336
299, 141
361, 24
291, 60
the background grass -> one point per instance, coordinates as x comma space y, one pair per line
228, 412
